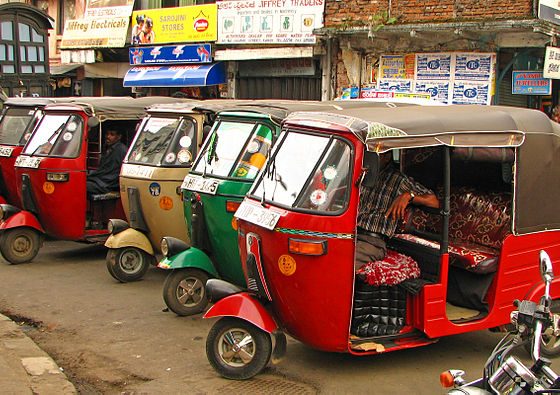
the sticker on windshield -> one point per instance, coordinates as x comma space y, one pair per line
170, 157
185, 141
137, 156
67, 136
330, 173
318, 197
72, 126
253, 146
184, 156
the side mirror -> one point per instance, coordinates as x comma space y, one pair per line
371, 164
546, 267
93, 122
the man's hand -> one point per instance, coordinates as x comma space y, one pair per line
398, 208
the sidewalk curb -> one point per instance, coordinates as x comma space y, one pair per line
26, 368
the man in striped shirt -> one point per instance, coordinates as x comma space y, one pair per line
383, 206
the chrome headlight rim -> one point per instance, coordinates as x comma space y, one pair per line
171, 246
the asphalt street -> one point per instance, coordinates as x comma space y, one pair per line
116, 338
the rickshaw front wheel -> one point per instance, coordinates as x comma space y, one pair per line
20, 245
237, 349
550, 342
184, 291
128, 264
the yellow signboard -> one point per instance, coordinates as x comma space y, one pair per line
100, 32
175, 25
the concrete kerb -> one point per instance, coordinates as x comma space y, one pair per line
25, 367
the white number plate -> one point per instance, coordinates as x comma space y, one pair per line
136, 171
257, 215
6, 151
27, 161
199, 184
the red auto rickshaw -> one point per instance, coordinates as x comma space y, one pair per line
19, 117
451, 270
51, 175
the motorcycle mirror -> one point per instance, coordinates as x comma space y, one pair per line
546, 267
93, 122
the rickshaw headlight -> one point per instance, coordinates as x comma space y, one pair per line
6, 211
58, 177
116, 226
1, 212
170, 246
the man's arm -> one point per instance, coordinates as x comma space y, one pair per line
398, 208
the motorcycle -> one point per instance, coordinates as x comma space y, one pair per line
503, 372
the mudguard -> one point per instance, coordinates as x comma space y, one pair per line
130, 238
245, 307
538, 290
191, 258
2, 200
20, 219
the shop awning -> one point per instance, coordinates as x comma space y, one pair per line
176, 75
61, 69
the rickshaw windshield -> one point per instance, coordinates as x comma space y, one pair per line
235, 150
56, 135
13, 125
164, 141
318, 180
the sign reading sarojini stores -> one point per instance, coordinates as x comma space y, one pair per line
109, 32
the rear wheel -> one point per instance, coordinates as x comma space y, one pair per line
184, 291
238, 349
128, 264
20, 245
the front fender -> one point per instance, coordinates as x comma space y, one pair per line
130, 238
245, 307
20, 219
190, 258
537, 291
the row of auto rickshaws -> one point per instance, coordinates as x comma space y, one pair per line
252, 206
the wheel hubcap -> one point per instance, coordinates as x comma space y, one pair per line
236, 347
130, 261
22, 245
190, 291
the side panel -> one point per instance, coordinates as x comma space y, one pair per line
8, 176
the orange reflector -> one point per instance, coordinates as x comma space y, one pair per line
231, 206
307, 247
446, 379
234, 223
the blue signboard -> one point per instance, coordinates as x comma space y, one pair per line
169, 54
530, 83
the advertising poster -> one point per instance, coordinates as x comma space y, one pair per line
100, 32
471, 93
174, 25
193, 53
549, 10
438, 90
108, 8
433, 66
269, 21
474, 66
395, 85
530, 83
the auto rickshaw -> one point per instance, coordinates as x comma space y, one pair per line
448, 271
19, 117
222, 174
160, 157
51, 175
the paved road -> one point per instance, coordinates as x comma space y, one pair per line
113, 338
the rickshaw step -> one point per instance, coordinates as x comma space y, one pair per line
380, 344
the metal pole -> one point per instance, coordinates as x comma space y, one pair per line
446, 201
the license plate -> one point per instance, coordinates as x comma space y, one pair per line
199, 184
137, 171
27, 161
257, 215
6, 151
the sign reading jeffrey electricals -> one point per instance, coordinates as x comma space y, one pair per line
101, 32
552, 63
549, 10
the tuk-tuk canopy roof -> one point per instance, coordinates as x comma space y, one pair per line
36, 101
535, 137
113, 108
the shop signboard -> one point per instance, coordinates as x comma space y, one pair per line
175, 25
530, 82
108, 8
278, 68
190, 53
269, 21
101, 32
552, 63
549, 10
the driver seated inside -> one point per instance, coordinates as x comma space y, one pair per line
382, 206
106, 177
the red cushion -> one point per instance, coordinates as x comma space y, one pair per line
392, 270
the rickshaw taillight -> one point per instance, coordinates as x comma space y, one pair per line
231, 206
307, 247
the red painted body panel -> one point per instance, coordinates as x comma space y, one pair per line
21, 218
9, 177
244, 306
2, 200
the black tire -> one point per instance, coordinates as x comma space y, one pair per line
184, 291
249, 359
20, 245
128, 264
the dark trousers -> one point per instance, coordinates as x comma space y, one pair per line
369, 248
